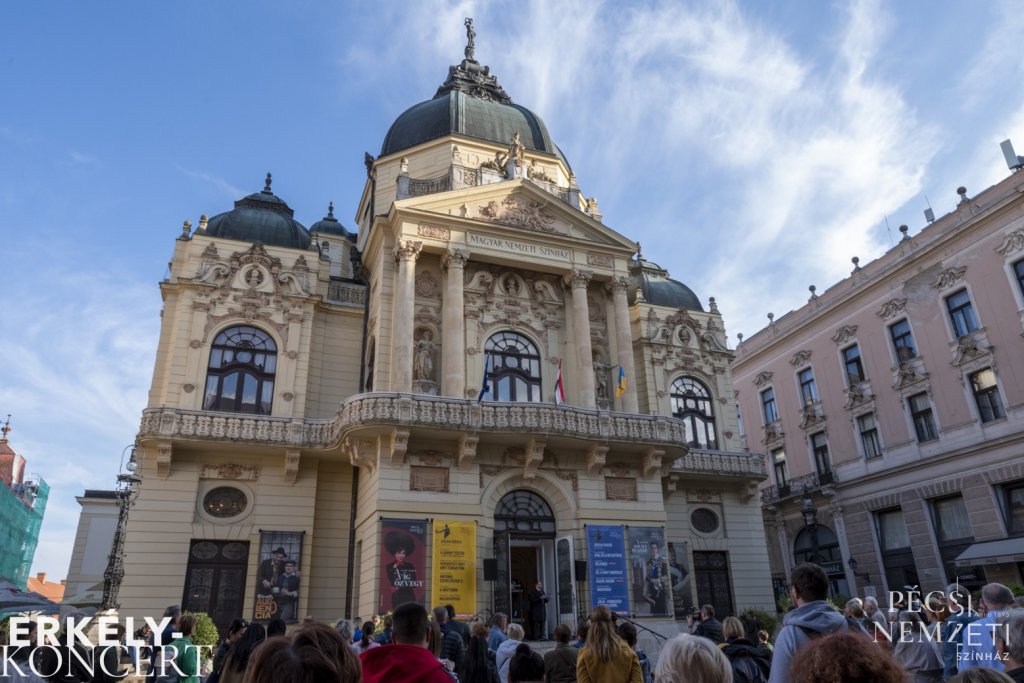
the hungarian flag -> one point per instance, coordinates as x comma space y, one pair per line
486, 387
559, 387
620, 385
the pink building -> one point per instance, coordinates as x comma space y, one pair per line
891, 410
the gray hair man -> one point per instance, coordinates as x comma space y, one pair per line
979, 648
1009, 637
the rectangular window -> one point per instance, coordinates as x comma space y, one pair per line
903, 340
892, 532
868, 429
779, 462
771, 413
1018, 270
951, 521
819, 444
986, 395
961, 313
1014, 501
808, 390
924, 422
854, 365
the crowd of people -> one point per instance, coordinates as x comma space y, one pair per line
943, 638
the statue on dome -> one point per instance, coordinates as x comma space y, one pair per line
516, 149
470, 35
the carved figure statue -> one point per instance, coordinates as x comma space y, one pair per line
470, 36
424, 365
497, 163
516, 149
601, 379
403, 165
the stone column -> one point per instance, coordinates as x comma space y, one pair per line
784, 547
836, 508
453, 334
406, 254
624, 343
584, 375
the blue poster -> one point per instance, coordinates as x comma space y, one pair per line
609, 573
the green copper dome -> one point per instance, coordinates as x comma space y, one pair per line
261, 217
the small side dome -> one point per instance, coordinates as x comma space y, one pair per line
260, 217
657, 288
329, 225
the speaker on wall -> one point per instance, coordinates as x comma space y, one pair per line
490, 570
581, 570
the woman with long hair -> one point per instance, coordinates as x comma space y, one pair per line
606, 658
526, 666
240, 653
478, 665
367, 643
235, 631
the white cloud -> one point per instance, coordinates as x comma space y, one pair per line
226, 188
78, 359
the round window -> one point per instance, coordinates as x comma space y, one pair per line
225, 501
704, 520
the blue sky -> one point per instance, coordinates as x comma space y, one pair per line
752, 148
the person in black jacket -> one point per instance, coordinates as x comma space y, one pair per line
709, 627
451, 642
538, 611
750, 662
461, 627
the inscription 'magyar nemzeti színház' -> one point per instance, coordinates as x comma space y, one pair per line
519, 247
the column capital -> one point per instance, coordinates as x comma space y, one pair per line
456, 258
618, 285
408, 250
577, 278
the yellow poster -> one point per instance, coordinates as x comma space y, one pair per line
453, 579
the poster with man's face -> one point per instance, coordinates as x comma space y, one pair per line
279, 576
682, 586
650, 577
403, 568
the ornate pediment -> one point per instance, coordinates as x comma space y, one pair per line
844, 334
763, 378
949, 277
800, 358
891, 308
1013, 242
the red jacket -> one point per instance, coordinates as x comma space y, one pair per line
403, 664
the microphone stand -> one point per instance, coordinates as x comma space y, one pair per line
616, 617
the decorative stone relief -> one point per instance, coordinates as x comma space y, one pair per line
434, 479
408, 250
164, 455
291, 466
891, 308
620, 489
949, 277
653, 461
1013, 242
456, 258
467, 449
844, 334
426, 285
188, 388
970, 348
434, 232
763, 378
857, 394
600, 260
361, 452
799, 358
703, 496
534, 457
596, 455
811, 415
398, 444
909, 374
230, 471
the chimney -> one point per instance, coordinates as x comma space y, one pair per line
41, 577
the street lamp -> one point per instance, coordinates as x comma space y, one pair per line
127, 492
852, 564
810, 514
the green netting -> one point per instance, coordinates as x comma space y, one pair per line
19, 530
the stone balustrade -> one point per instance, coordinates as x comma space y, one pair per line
721, 462
413, 410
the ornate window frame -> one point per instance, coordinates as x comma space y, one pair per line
242, 365
697, 418
206, 486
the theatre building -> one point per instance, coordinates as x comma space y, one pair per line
481, 386
891, 406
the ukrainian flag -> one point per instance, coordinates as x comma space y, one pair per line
620, 385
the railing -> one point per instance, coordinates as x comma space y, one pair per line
799, 486
413, 410
459, 177
721, 462
346, 293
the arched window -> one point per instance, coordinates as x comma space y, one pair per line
523, 511
691, 403
240, 377
512, 365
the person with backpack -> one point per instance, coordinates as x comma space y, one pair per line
750, 664
812, 618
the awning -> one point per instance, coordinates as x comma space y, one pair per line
1003, 551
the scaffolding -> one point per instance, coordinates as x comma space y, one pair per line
22, 506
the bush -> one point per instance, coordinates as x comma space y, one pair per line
765, 620
206, 634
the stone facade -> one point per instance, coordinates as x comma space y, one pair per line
94, 538
909, 443
375, 411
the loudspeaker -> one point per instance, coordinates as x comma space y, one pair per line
490, 570
581, 570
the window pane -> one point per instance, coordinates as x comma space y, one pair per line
228, 390
951, 521
267, 398
768, 405
249, 387
903, 340
892, 531
210, 399
1015, 509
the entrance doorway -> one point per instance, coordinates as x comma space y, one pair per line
714, 588
525, 552
215, 580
